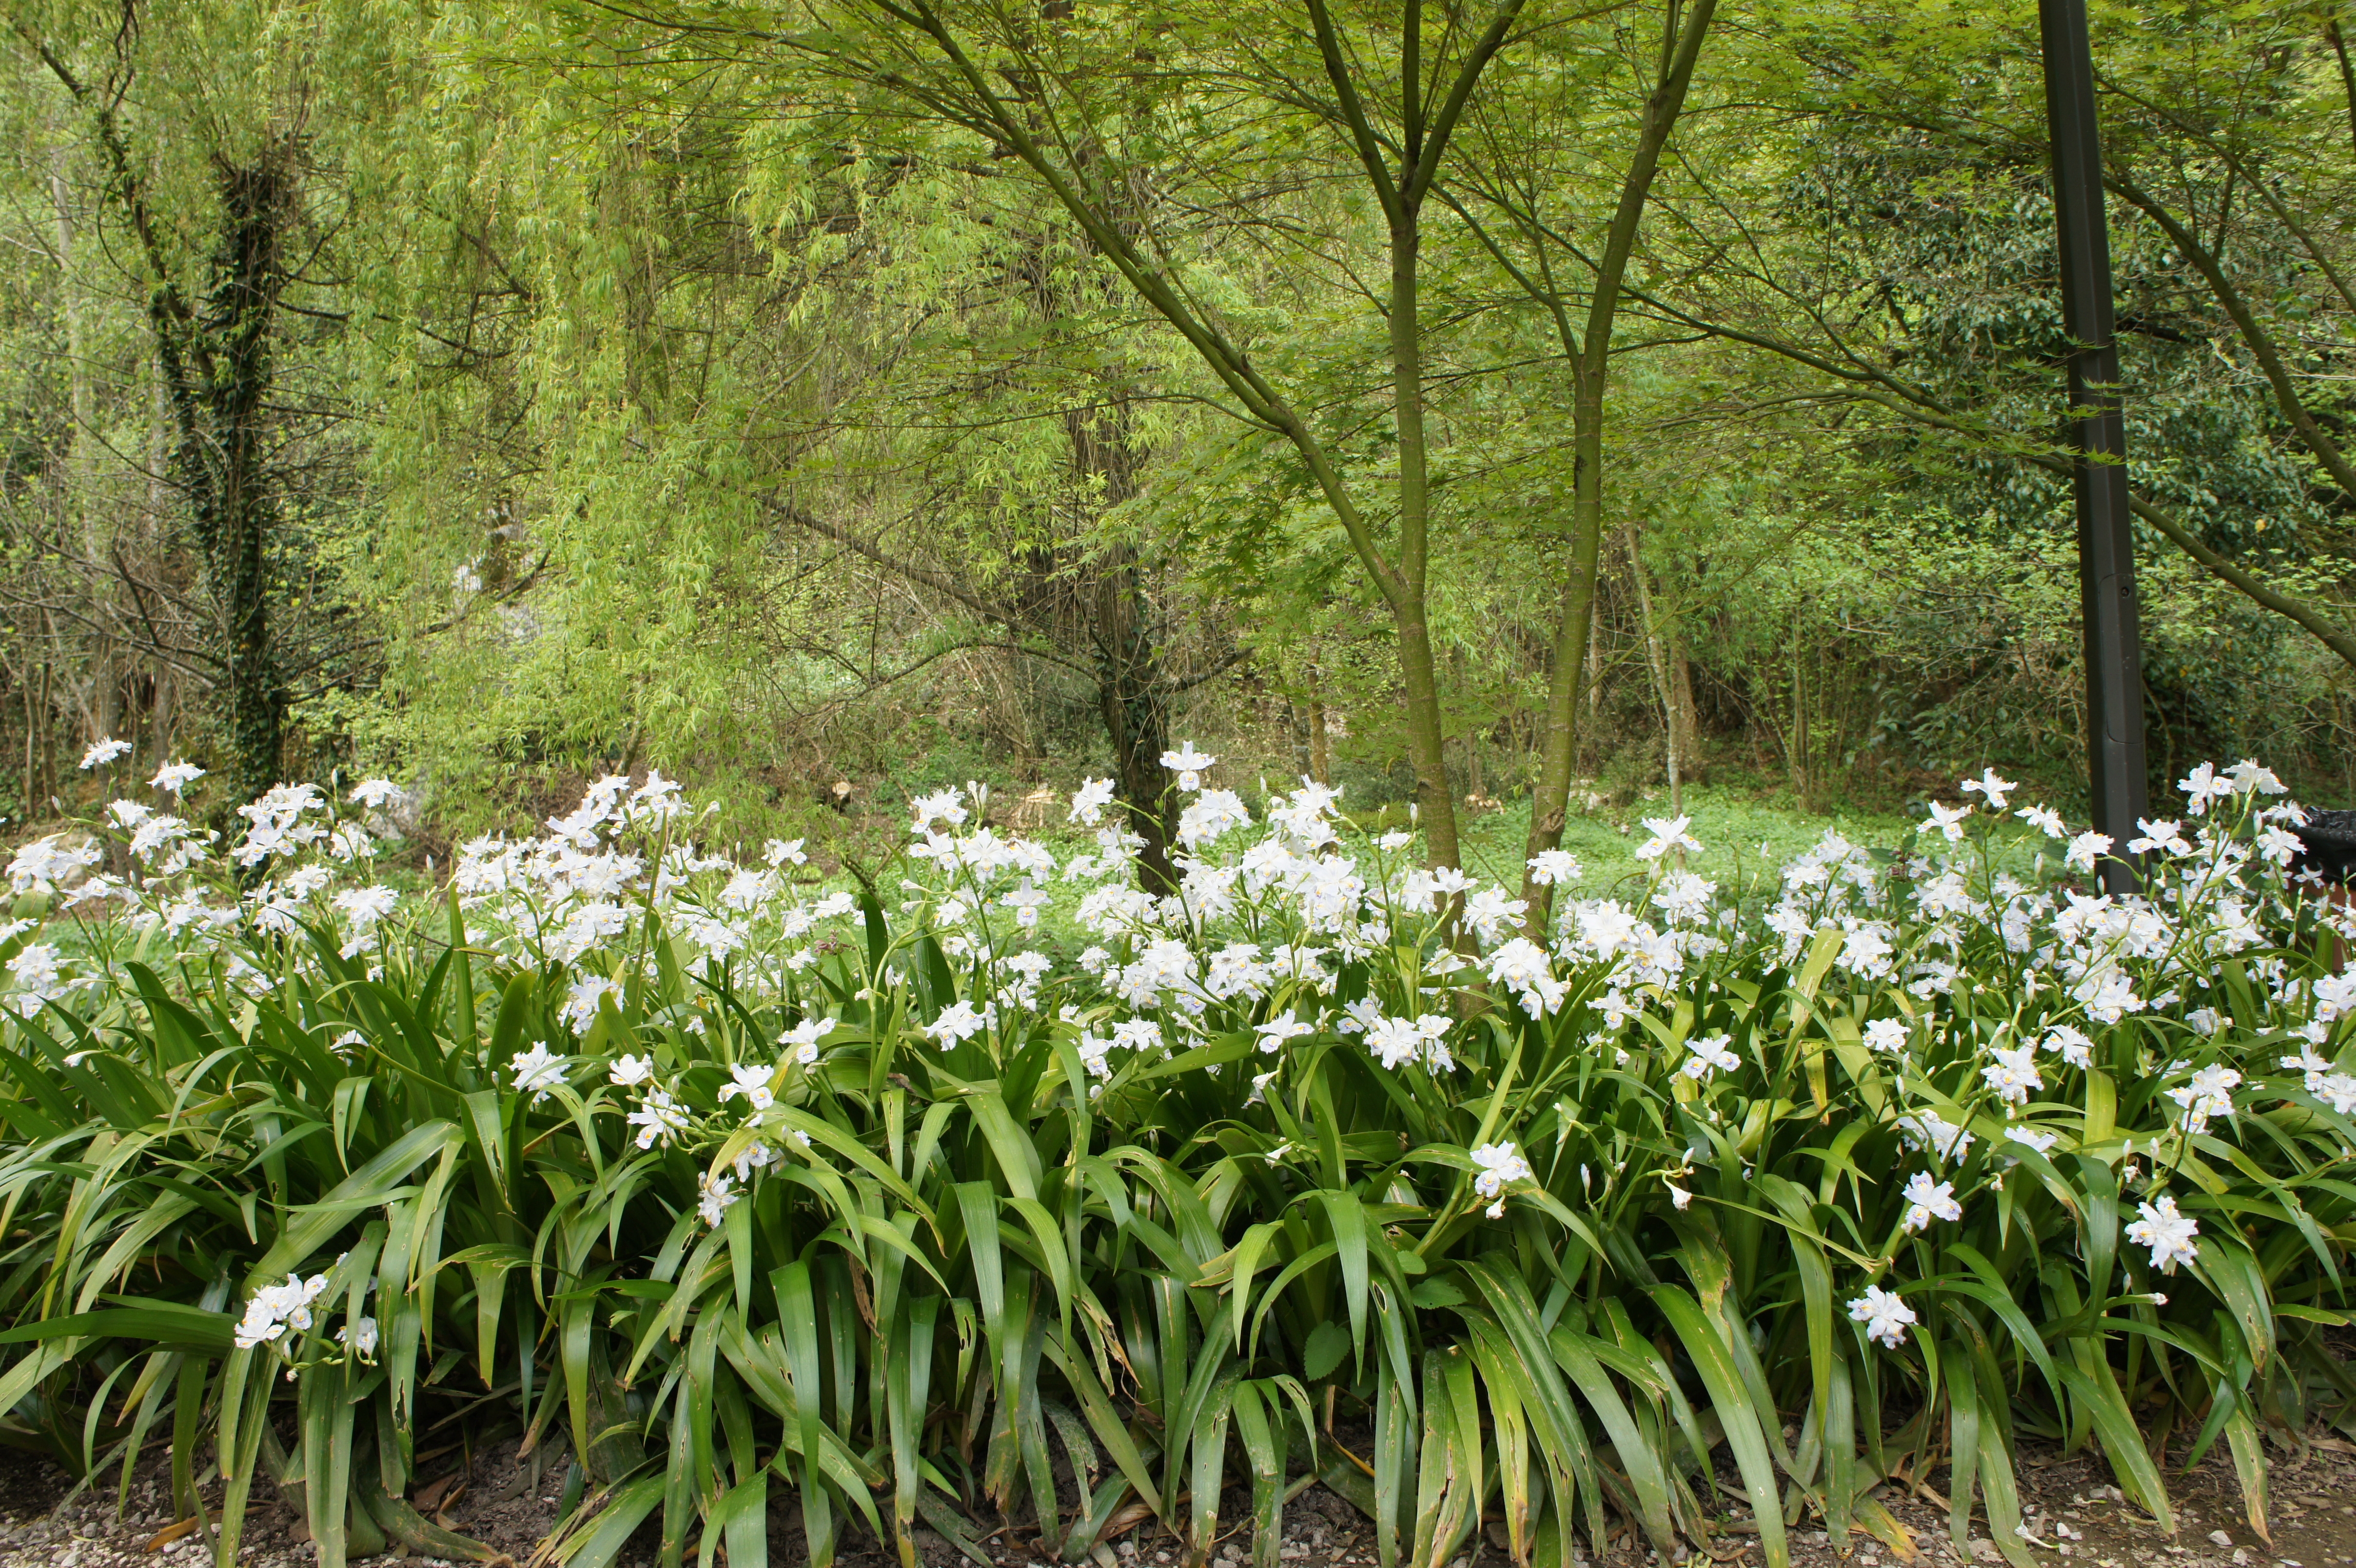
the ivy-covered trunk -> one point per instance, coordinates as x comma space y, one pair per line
218, 365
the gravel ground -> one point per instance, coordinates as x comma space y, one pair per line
2076, 1517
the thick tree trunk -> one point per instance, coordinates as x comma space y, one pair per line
215, 366
234, 506
1133, 690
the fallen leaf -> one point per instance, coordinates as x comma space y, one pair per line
170, 1533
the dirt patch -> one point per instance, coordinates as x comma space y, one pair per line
2075, 1518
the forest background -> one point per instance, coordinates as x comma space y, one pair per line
1521, 411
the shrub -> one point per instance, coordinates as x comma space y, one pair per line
1324, 1168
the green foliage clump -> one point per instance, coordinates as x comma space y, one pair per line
725, 1186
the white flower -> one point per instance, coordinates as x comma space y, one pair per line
350, 1040
1679, 1196
1887, 1035
1927, 1200
1552, 867
2072, 1045
1683, 896
2086, 848
957, 1022
719, 1192
2211, 1093
2030, 1138
1089, 800
2335, 994
536, 1072
360, 1339
105, 751
1709, 1053
1668, 833
2047, 822
1949, 819
2278, 846
1189, 764
1885, 1316
659, 1118
49, 861
1500, 1167
2247, 776
803, 1037
2335, 1090
1026, 901
752, 1083
943, 806
2203, 786
2308, 1062
747, 890
1279, 1029
1395, 1040
378, 793
2013, 1074
2158, 836
777, 852
35, 969
2168, 1234
276, 1308
1929, 1130
1990, 786
176, 777
630, 1071
364, 907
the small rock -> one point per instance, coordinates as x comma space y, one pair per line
2241, 1557
2220, 1538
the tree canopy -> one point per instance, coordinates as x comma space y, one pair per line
1530, 399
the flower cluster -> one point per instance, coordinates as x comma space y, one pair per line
1290, 934
275, 1309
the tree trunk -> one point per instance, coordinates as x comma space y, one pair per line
1133, 698
1590, 361
1319, 767
1798, 751
1656, 659
247, 278
1133, 690
215, 364
1681, 688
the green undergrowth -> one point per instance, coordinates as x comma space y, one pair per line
723, 1187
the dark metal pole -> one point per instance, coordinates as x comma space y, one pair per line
2114, 759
